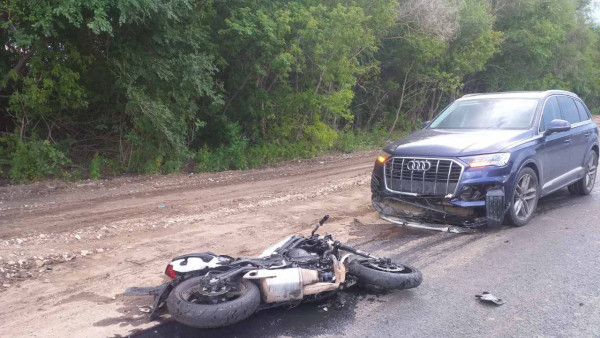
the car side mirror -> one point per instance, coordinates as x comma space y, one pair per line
557, 126
425, 124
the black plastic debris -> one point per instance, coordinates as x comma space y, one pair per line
488, 297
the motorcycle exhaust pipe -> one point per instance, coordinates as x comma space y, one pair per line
282, 285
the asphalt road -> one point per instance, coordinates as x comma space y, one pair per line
548, 273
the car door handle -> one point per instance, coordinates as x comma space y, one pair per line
568, 140
587, 134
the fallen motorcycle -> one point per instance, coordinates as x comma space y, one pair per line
208, 290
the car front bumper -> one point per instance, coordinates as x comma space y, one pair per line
479, 199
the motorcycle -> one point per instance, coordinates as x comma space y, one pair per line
209, 291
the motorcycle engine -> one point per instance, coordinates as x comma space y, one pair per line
311, 261
302, 257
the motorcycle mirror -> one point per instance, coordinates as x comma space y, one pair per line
321, 222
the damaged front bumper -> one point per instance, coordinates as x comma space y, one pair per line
440, 213
474, 199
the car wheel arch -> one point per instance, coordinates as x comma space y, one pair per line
528, 163
596, 149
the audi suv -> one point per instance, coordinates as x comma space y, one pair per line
488, 158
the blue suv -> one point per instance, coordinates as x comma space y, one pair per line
487, 158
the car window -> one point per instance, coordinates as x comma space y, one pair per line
504, 113
551, 112
569, 110
583, 113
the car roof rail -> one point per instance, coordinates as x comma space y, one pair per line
563, 92
541, 93
472, 94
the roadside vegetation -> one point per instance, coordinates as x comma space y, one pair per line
96, 88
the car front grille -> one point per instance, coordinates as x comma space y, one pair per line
422, 176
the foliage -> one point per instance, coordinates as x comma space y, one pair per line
149, 85
36, 159
95, 167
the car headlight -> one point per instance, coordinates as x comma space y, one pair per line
496, 160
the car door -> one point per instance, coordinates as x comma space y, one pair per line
588, 128
556, 146
578, 141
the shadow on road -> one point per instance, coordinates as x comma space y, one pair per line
307, 320
559, 199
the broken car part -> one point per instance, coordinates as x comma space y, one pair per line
488, 297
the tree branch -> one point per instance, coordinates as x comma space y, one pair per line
19, 66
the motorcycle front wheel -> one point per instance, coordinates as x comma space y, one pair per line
384, 275
191, 304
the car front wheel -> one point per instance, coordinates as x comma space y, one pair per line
524, 198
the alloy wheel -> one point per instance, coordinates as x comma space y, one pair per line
524, 197
384, 266
590, 176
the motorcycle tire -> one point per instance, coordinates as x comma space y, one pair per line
212, 315
367, 275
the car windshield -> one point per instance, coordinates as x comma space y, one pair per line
504, 113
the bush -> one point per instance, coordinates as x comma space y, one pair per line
234, 156
95, 166
8, 145
34, 160
172, 166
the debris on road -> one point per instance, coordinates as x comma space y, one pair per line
161, 207
428, 226
488, 297
145, 309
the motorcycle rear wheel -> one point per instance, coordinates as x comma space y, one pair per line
238, 305
386, 278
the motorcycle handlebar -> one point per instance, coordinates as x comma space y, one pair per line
324, 219
342, 246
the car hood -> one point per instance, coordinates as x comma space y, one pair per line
448, 143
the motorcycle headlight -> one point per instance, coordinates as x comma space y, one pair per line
496, 160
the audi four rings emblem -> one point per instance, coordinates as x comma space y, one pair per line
415, 165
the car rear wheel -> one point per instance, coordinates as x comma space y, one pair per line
586, 184
524, 198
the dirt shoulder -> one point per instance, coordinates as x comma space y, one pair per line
69, 250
